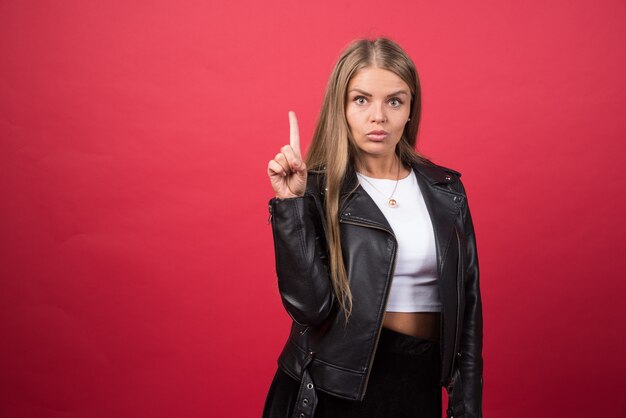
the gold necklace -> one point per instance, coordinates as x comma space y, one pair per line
392, 203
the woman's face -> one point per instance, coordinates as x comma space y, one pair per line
377, 108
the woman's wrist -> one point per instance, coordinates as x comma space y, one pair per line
288, 197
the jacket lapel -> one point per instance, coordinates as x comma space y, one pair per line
443, 204
358, 205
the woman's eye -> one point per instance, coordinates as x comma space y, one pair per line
360, 100
395, 102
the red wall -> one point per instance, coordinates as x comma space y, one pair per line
136, 264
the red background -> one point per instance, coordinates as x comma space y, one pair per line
137, 270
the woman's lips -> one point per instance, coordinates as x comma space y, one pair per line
377, 135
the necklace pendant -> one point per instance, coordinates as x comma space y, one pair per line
392, 203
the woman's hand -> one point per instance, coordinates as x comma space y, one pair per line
287, 170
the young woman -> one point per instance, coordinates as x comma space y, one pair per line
375, 257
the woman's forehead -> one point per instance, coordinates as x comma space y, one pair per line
374, 80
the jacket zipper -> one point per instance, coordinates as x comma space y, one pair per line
380, 326
458, 312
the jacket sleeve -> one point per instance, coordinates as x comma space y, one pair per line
301, 259
471, 361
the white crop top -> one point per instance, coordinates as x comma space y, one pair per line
414, 286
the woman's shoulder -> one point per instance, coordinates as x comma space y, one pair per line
436, 171
315, 180
441, 176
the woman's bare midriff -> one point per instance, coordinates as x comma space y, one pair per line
418, 324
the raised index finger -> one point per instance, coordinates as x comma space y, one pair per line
294, 134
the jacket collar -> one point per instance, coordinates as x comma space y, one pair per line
432, 179
431, 173
442, 203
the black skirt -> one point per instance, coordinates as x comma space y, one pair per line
404, 383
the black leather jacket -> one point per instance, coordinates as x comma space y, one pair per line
324, 354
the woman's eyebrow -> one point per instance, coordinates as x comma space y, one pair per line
364, 93
397, 93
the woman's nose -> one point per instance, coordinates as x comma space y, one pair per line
378, 113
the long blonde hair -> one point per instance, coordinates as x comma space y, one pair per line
333, 148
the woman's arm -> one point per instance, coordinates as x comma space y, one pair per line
471, 361
301, 259
299, 236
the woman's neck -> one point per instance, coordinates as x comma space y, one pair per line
382, 168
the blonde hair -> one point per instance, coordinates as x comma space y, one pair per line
333, 149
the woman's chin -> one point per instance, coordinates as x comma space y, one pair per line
377, 149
